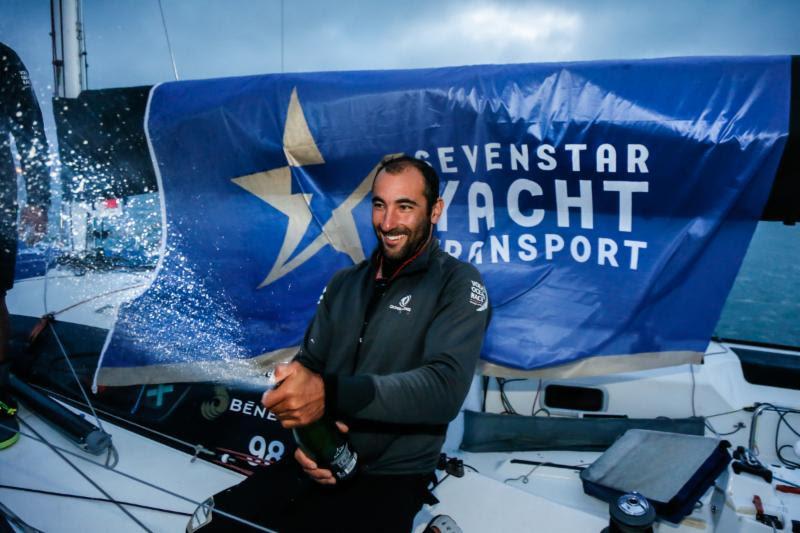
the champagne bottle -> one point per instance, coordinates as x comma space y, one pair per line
324, 444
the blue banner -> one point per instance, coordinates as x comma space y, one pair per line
608, 205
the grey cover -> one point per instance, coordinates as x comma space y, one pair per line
652, 463
490, 432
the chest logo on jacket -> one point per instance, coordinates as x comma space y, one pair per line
402, 305
478, 296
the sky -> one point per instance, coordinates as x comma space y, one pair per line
127, 46
126, 41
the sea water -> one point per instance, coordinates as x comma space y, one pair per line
764, 304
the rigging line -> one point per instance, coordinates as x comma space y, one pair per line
131, 477
112, 457
548, 464
785, 461
725, 413
46, 272
61, 31
282, 39
95, 297
169, 45
101, 465
791, 428
54, 46
738, 428
778, 448
92, 498
525, 478
198, 448
16, 520
536, 398
75, 375
83, 51
694, 387
138, 400
84, 475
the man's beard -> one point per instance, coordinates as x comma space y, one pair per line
415, 241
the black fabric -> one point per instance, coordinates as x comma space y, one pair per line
354, 393
5, 373
784, 199
21, 117
20, 120
331, 384
104, 129
8, 259
763, 367
284, 499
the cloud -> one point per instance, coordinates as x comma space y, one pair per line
491, 32
436, 34
493, 24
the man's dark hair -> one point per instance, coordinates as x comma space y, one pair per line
398, 164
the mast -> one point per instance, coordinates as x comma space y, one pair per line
69, 48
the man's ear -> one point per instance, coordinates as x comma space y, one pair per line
436, 212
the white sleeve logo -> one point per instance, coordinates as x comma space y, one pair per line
322, 295
478, 296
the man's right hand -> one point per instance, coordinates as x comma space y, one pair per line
322, 476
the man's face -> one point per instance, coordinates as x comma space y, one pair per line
400, 212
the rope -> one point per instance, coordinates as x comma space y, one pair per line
92, 498
169, 45
15, 520
196, 448
282, 37
57, 449
75, 375
525, 477
79, 471
95, 297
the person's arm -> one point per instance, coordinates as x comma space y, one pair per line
27, 128
317, 339
300, 398
434, 392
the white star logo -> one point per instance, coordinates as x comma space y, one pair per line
275, 187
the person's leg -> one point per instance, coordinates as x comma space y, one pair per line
368, 504
9, 426
268, 498
392, 503
8, 260
5, 330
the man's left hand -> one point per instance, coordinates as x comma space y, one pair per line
299, 399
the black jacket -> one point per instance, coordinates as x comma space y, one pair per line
21, 117
398, 357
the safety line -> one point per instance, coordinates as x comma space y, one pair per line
79, 471
57, 449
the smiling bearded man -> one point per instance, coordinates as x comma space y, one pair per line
405, 206
390, 353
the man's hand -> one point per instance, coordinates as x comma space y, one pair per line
33, 224
322, 476
300, 397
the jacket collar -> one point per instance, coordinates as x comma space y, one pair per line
416, 263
